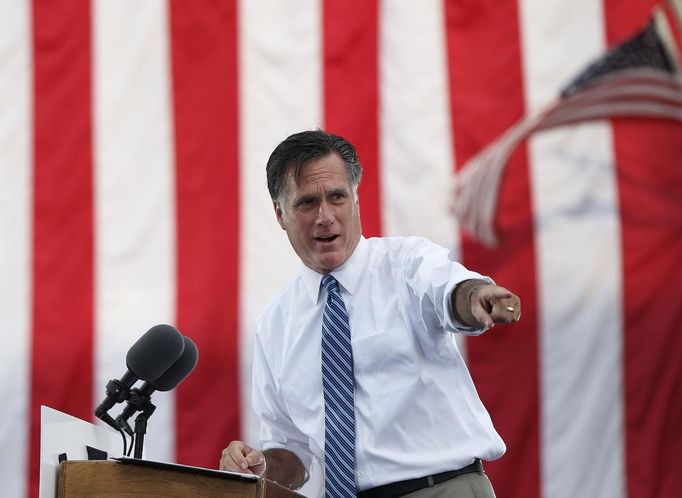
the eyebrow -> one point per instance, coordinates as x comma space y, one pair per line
304, 198
339, 190
316, 195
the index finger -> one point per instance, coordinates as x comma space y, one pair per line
496, 292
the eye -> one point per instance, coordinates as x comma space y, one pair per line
304, 203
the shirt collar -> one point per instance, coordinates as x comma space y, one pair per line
348, 274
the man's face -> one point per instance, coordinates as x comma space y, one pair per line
320, 214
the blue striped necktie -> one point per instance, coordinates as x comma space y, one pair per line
337, 382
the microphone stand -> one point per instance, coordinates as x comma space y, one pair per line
141, 428
139, 400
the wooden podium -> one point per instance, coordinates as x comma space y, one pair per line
106, 478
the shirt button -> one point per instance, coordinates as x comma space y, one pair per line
361, 474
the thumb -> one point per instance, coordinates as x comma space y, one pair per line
484, 318
255, 458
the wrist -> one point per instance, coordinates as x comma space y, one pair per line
474, 290
463, 302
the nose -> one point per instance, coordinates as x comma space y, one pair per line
325, 215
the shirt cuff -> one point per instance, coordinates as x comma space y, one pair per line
451, 323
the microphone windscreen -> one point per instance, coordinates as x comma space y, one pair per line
155, 352
180, 369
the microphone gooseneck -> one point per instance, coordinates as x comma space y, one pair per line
148, 359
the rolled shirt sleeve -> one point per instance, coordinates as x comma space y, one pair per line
276, 427
432, 275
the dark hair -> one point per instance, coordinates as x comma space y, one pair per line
295, 151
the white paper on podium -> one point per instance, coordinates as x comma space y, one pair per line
62, 433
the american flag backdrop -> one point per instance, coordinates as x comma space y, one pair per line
133, 142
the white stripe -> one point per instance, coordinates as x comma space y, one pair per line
280, 95
666, 35
134, 199
417, 161
676, 6
280, 84
15, 242
417, 157
578, 255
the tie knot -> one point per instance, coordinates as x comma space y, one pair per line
330, 284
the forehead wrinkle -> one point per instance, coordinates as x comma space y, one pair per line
321, 180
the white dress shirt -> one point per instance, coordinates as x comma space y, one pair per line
416, 408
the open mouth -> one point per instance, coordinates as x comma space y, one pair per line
327, 238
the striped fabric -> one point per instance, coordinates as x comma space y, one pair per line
338, 385
133, 142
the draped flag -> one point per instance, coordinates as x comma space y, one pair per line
640, 77
133, 142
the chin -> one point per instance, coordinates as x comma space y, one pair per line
328, 264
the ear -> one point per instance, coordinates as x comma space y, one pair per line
279, 214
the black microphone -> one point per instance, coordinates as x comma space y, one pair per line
176, 373
148, 359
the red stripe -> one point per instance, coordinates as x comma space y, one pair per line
486, 95
62, 358
351, 95
648, 155
205, 92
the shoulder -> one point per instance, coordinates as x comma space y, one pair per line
403, 249
410, 242
276, 311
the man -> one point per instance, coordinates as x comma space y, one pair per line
355, 364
